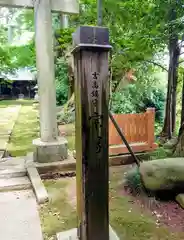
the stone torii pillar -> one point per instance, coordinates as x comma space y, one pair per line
49, 147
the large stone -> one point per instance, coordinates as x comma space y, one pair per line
50, 151
171, 143
72, 235
180, 199
163, 174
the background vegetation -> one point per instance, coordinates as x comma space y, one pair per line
147, 37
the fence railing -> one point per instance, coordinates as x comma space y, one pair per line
138, 130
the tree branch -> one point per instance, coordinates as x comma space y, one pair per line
181, 61
180, 44
157, 64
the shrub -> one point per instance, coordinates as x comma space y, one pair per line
61, 81
137, 98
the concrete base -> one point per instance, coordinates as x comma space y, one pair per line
50, 151
72, 235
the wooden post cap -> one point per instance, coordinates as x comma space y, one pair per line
90, 37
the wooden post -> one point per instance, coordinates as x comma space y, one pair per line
92, 124
150, 125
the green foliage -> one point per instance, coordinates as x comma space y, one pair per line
13, 57
132, 179
138, 29
25, 19
23, 56
66, 117
5, 60
156, 99
145, 93
3, 35
61, 81
64, 39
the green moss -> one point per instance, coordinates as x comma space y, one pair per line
26, 129
160, 153
57, 215
129, 221
71, 142
23, 102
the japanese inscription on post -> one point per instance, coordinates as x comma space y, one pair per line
95, 117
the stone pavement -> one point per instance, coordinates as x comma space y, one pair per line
19, 218
8, 117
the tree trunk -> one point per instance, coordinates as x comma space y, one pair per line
176, 54
182, 109
170, 110
179, 151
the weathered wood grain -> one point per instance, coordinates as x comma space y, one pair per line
92, 99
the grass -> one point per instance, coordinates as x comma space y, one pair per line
129, 221
26, 129
57, 215
24, 102
159, 153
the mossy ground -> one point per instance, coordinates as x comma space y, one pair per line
25, 130
128, 219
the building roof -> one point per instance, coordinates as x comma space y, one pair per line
22, 74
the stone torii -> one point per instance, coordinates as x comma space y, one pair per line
49, 147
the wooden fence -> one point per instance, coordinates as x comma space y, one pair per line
138, 130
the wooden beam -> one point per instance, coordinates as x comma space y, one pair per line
136, 147
65, 6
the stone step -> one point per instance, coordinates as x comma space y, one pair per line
13, 162
19, 183
12, 172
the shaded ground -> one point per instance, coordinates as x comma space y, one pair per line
128, 216
133, 218
167, 213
